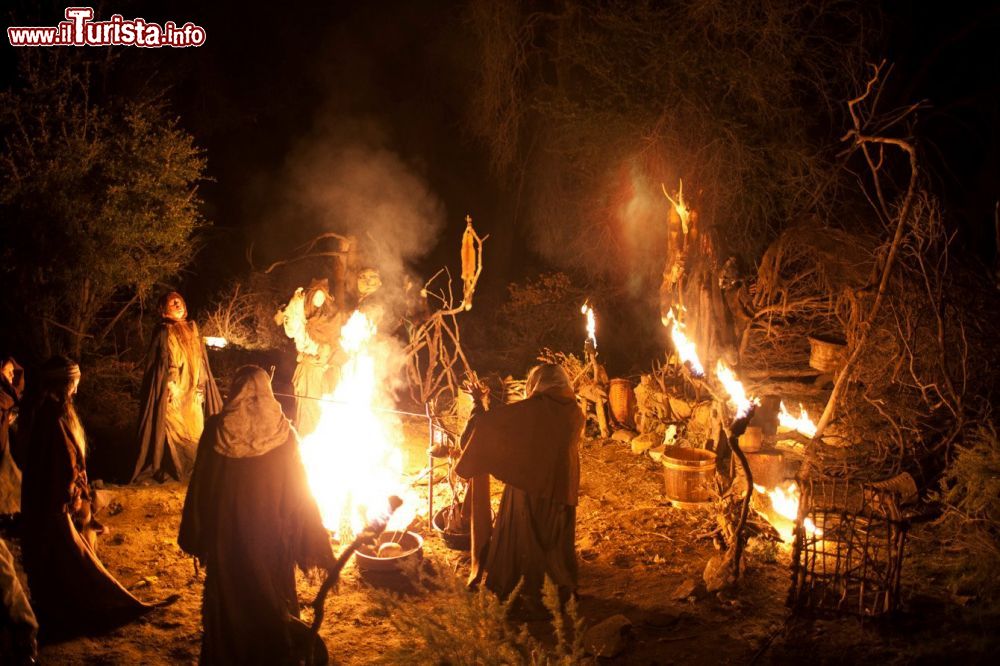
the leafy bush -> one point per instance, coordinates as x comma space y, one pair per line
540, 312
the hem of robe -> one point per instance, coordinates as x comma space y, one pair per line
533, 538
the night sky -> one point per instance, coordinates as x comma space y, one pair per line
272, 84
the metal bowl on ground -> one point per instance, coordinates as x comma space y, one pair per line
397, 571
456, 540
410, 552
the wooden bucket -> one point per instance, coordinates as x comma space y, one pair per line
689, 476
621, 400
827, 355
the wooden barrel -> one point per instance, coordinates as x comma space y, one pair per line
689, 476
621, 399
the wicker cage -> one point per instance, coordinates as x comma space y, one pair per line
851, 559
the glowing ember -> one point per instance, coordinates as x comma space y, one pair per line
685, 348
215, 342
737, 394
802, 423
353, 459
591, 323
785, 510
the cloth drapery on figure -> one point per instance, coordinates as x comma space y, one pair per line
311, 319
71, 590
18, 626
11, 390
533, 447
249, 516
178, 391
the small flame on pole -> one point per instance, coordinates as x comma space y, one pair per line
588, 311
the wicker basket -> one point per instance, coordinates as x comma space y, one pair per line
827, 355
621, 399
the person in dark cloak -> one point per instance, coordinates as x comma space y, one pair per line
250, 518
11, 390
178, 391
71, 590
533, 447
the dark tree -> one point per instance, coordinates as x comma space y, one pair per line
98, 201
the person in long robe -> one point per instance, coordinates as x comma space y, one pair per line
250, 518
178, 391
71, 590
313, 321
11, 390
533, 447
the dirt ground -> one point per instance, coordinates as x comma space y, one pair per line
635, 551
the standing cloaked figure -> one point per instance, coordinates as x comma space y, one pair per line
533, 447
71, 590
11, 390
178, 391
250, 518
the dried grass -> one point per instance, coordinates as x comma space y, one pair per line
453, 625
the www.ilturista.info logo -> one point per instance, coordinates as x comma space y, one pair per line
79, 29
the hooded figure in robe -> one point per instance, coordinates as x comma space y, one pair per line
178, 392
71, 591
250, 518
11, 390
313, 321
533, 447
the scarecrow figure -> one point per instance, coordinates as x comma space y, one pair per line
532, 446
178, 391
71, 590
11, 390
313, 321
250, 518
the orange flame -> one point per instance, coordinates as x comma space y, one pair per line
801, 423
785, 508
353, 459
737, 394
588, 311
686, 351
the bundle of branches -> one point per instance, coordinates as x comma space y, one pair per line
911, 359
243, 313
808, 282
435, 360
928, 364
